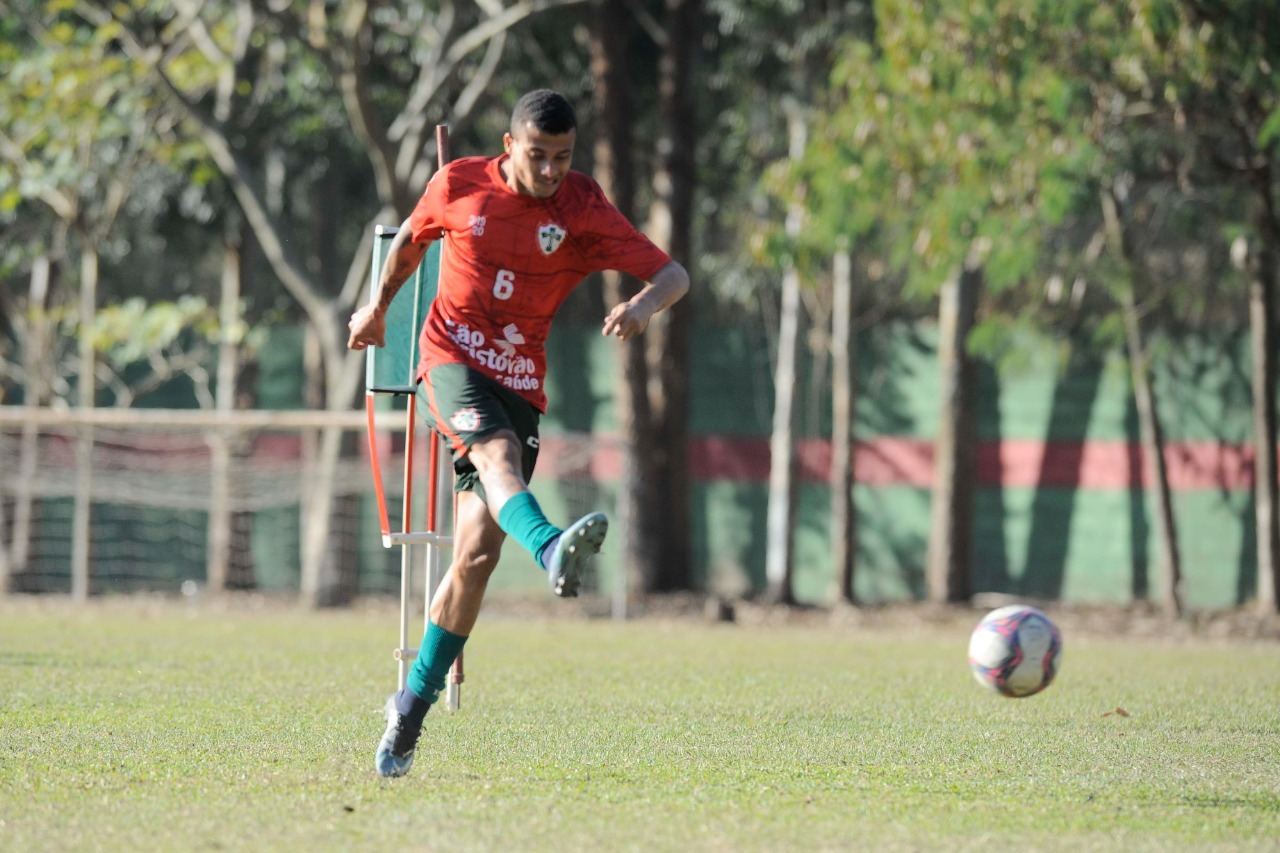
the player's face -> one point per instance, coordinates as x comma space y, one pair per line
539, 161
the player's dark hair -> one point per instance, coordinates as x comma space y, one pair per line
548, 111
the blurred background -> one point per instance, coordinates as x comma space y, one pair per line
983, 293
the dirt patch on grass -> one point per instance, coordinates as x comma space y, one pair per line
1140, 620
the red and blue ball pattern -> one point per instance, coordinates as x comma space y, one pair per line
1015, 651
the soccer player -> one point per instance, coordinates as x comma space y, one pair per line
520, 231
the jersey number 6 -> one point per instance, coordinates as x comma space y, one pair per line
504, 285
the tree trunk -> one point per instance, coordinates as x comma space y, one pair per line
1259, 264
313, 534
241, 572
610, 61
779, 568
780, 514
4, 547
218, 528
24, 504
324, 582
37, 361
1152, 437
219, 547
218, 559
87, 392
948, 569
844, 394
668, 335
1151, 433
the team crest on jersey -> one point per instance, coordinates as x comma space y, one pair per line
465, 420
550, 237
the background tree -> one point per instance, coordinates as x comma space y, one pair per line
614, 97
1181, 96
1213, 72
950, 133
667, 340
844, 395
777, 127
255, 83
942, 129
79, 139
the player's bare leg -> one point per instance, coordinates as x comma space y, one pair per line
477, 543
563, 553
480, 527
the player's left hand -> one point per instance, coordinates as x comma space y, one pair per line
625, 321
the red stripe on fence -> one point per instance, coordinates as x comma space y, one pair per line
881, 461
891, 460
1113, 465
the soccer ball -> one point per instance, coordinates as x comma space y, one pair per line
1015, 651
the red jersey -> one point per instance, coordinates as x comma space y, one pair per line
509, 261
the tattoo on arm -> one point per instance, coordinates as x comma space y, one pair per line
403, 258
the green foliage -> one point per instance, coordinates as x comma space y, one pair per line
954, 127
994, 127
1269, 133
134, 331
1182, 124
758, 86
131, 329
1006, 342
74, 120
932, 127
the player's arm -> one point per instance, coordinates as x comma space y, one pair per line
662, 291
368, 324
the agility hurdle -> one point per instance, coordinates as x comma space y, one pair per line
392, 371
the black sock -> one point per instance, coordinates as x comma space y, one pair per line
411, 705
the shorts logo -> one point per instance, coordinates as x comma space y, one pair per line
465, 420
550, 237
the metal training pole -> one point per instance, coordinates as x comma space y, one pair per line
403, 658
373, 386
441, 481
402, 382
440, 476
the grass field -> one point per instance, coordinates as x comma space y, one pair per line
135, 725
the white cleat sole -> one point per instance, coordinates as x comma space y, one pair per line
577, 545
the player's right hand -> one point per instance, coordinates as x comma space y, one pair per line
626, 320
368, 328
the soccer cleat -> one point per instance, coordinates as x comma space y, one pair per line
395, 750
578, 543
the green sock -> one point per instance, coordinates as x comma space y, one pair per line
522, 519
440, 648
